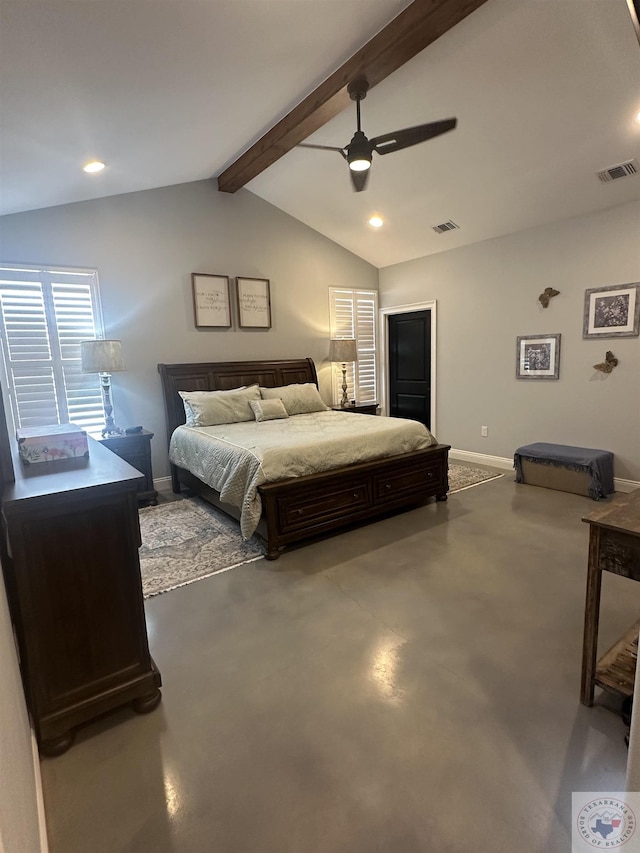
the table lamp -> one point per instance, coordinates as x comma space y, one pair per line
342, 351
105, 358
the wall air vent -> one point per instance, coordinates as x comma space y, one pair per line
445, 226
622, 170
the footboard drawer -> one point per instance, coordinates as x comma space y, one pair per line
328, 502
393, 486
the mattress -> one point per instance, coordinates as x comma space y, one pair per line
235, 459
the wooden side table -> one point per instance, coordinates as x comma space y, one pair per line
135, 448
359, 408
614, 546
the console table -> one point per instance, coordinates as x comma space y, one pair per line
614, 546
69, 547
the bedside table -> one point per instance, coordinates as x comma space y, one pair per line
359, 408
135, 448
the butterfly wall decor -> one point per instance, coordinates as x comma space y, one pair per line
546, 295
606, 366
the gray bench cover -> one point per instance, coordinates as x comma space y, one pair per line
598, 463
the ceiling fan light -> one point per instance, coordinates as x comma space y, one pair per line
359, 164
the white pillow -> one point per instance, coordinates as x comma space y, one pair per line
268, 410
298, 399
210, 408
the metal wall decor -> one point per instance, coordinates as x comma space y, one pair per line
547, 294
606, 366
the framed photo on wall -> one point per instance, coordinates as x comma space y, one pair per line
211, 301
612, 312
538, 357
254, 303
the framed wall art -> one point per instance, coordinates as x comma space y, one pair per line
612, 312
538, 357
254, 303
211, 301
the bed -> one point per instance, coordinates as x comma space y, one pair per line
295, 509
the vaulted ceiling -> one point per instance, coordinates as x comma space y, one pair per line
545, 92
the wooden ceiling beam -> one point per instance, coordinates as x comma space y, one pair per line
416, 27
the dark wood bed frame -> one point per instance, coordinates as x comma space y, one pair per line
303, 507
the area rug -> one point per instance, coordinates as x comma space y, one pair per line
465, 477
187, 540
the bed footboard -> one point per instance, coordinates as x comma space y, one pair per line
298, 509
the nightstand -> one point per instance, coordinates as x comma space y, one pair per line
135, 448
359, 408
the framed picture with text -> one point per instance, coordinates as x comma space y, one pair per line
254, 303
211, 301
612, 312
538, 357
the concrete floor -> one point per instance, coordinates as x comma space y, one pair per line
408, 686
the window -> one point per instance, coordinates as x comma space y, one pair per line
44, 314
353, 314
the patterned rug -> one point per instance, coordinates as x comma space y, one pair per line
186, 540
464, 477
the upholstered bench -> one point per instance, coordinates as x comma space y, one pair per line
579, 470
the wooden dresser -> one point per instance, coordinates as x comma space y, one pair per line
70, 539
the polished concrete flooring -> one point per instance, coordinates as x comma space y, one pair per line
410, 686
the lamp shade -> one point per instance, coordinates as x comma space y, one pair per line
342, 350
101, 356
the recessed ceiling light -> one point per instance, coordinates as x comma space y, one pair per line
93, 167
638, 117
376, 222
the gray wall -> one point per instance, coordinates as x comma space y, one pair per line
19, 827
487, 294
146, 245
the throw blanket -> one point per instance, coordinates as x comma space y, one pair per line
599, 463
234, 459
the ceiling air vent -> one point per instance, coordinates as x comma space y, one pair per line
445, 226
622, 170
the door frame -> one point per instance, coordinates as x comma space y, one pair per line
430, 305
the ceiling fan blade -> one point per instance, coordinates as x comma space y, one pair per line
323, 148
359, 180
399, 139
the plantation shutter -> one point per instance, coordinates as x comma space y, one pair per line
353, 314
44, 314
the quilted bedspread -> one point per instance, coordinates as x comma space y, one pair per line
234, 459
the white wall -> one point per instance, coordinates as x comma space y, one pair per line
19, 828
487, 294
146, 245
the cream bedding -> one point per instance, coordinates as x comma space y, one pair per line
234, 459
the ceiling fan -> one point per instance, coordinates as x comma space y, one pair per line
359, 152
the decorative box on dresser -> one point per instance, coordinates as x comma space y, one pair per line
135, 448
70, 539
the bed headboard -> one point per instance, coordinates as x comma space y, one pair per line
222, 375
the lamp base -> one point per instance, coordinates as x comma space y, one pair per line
108, 431
344, 403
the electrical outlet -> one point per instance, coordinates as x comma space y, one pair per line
484, 431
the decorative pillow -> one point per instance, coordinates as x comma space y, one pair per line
210, 408
268, 410
298, 399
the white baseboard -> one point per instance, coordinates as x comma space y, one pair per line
42, 820
625, 485
162, 484
481, 459
505, 463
